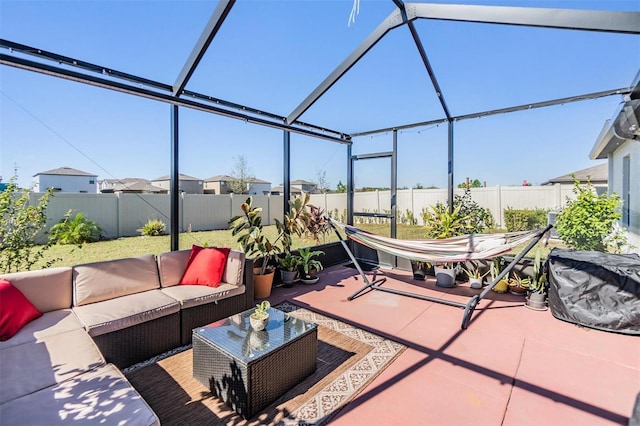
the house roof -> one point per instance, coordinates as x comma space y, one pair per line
596, 175
280, 189
180, 177
124, 180
66, 171
302, 182
227, 178
138, 186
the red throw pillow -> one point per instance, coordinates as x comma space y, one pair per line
205, 266
15, 310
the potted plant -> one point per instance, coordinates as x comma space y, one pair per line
419, 269
260, 316
536, 297
289, 268
309, 266
441, 223
475, 275
249, 226
518, 285
503, 285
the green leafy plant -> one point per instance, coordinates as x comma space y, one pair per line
77, 230
289, 262
20, 224
248, 226
524, 219
262, 310
477, 219
308, 263
589, 222
539, 279
440, 223
153, 228
296, 222
475, 272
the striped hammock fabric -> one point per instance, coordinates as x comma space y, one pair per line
455, 249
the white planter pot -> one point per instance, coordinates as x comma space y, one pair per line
445, 277
475, 282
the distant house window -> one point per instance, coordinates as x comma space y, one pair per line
83, 192
91, 181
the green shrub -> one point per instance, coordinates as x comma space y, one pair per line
153, 228
478, 219
78, 230
525, 219
590, 221
20, 223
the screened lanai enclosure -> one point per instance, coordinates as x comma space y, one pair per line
389, 82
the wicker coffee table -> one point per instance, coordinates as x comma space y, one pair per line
250, 369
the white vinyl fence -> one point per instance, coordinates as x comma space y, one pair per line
121, 215
496, 199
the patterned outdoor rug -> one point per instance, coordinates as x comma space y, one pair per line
348, 360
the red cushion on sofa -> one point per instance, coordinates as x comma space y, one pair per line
15, 310
205, 266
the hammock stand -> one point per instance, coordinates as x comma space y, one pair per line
469, 307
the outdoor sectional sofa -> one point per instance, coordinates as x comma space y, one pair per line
98, 318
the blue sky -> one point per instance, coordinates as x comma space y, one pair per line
271, 54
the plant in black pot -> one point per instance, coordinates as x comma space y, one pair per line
536, 298
309, 266
288, 265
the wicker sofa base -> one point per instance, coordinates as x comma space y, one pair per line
140, 342
198, 316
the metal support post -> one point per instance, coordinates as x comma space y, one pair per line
174, 182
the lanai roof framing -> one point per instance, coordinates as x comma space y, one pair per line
177, 95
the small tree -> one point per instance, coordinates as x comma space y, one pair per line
341, 187
590, 221
77, 230
20, 223
242, 176
322, 185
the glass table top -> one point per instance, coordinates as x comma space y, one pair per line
235, 336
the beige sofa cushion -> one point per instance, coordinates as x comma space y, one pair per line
33, 366
96, 282
101, 396
49, 324
194, 295
126, 311
171, 266
48, 289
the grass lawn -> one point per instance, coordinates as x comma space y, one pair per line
137, 246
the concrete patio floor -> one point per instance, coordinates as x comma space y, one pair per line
512, 366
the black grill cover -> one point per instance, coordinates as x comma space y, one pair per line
596, 290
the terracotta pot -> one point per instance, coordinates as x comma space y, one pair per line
262, 284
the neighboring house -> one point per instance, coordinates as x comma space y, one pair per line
305, 186
108, 186
279, 190
619, 143
221, 185
186, 184
597, 175
297, 188
66, 179
139, 187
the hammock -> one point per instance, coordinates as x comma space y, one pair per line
456, 249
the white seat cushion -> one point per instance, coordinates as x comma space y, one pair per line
194, 295
102, 396
49, 324
126, 311
53, 359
